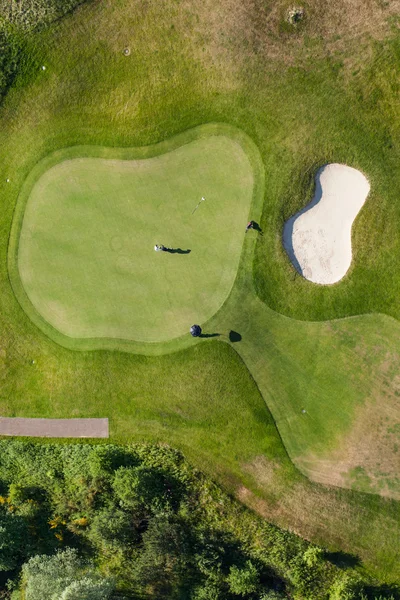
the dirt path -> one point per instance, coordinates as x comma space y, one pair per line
56, 428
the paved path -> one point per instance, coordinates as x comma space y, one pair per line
56, 428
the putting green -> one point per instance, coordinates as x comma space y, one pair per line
86, 256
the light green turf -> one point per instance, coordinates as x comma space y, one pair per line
86, 250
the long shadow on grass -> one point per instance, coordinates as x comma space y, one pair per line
342, 559
391, 592
178, 251
209, 335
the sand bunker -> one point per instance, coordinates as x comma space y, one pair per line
318, 238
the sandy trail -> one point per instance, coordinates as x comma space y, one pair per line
318, 238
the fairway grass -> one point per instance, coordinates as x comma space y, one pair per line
85, 248
325, 93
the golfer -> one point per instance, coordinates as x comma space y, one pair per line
255, 226
160, 248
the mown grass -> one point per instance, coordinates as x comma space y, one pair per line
298, 99
86, 260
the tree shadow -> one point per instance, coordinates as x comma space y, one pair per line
342, 559
391, 592
209, 335
234, 336
178, 251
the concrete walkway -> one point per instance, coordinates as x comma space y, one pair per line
55, 428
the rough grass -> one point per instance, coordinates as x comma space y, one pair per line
31, 15
304, 99
365, 136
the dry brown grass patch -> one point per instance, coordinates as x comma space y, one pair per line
368, 458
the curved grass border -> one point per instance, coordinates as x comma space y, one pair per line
139, 153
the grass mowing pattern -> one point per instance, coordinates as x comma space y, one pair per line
86, 249
305, 100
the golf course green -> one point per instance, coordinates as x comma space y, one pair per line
295, 406
86, 248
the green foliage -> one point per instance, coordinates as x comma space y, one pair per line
13, 539
208, 591
144, 489
152, 524
112, 528
347, 587
88, 588
272, 595
164, 562
63, 576
243, 581
312, 556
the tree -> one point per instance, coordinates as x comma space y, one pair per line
13, 540
88, 588
112, 528
142, 489
164, 562
244, 580
346, 588
63, 576
272, 595
208, 591
312, 556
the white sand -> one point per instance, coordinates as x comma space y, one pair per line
318, 238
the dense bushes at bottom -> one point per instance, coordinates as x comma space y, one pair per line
99, 522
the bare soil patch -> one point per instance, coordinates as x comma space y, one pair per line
368, 458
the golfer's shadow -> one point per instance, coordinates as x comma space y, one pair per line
257, 227
178, 251
209, 335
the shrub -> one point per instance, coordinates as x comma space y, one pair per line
243, 581
64, 576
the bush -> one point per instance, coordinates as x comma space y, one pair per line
63, 576
145, 490
312, 556
13, 539
243, 581
272, 595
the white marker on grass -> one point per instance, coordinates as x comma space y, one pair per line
202, 200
